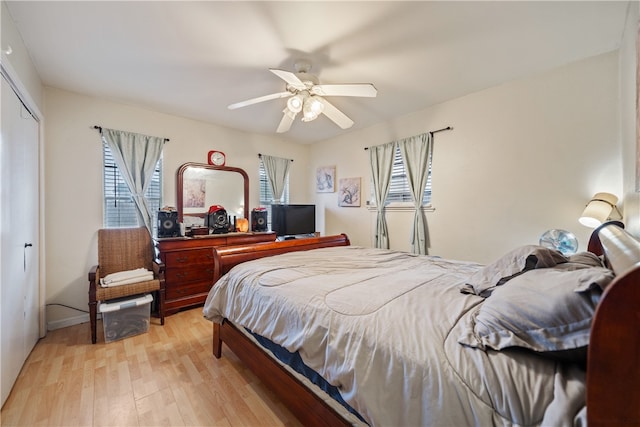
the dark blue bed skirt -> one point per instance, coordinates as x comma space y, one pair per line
294, 361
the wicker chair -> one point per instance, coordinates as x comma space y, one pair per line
123, 249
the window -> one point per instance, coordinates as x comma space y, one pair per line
119, 207
399, 191
266, 195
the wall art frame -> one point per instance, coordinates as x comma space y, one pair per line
326, 179
349, 191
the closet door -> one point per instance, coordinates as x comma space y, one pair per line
19, 260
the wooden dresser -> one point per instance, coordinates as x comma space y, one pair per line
189, 265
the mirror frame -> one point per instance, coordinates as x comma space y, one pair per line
180, 183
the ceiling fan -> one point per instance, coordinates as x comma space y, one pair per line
306, 95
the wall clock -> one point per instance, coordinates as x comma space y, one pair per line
216, 158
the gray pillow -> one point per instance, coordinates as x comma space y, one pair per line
544, 310
587, 258
509, 266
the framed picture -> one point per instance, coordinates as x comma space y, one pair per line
349, 192
325, 179
194, 191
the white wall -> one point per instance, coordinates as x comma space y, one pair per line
628, 120
19, 60
522, 158
74, 179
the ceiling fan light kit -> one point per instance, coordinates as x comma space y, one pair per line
311, 109
306, 94
294, 104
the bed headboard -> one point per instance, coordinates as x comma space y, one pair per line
613, 364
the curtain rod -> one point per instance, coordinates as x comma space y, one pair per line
431, 132
260, 155
441, 130
99, 128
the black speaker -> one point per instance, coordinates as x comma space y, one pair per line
218, 222
259, 220
168, 225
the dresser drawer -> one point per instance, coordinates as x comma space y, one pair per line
176, 291
189, 257
239, 239
189, 265
190, 273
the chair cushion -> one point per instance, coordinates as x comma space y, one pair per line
126, 277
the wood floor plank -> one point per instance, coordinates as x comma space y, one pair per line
87, 394
165, 377
159, 409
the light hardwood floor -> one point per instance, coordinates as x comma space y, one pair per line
166, 377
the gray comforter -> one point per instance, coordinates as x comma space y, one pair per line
383, 327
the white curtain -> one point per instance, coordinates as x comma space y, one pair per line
277, 170
136, 156
381, 159
416, 154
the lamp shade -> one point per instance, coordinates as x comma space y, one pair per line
295, 103
598, 209
311, 109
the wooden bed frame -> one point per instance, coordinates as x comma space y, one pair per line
613, 365
613, 362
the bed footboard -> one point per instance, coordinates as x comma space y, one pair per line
227, 257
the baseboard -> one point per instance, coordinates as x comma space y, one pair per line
69, 321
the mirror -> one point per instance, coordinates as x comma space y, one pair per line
201, 185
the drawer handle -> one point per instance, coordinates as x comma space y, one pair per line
182, 275
182, 259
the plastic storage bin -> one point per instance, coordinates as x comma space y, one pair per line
124, 318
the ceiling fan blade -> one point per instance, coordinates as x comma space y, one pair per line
337, 116
354, 89
290, 78
287, 120
259, 99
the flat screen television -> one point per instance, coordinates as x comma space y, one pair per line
292, 220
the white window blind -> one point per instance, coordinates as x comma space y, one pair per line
119, 207
266, 195
399, 191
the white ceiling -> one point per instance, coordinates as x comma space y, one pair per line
192, 59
